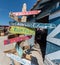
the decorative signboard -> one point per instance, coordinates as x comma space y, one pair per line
17, 39
18, 59
19, 50
34, 25
21, 30
26, 13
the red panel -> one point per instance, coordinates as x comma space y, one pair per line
16, 39
26, 13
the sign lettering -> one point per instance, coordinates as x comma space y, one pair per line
21, 30
25, 13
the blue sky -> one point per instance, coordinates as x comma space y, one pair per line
7, 6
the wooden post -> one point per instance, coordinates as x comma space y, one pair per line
23, 19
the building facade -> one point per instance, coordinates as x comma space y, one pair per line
49, 39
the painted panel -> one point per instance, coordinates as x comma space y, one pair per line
21, 30
26, 13
53, 39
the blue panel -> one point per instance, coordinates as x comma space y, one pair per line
57, 61
51, 48
56, 9
57, 36
55, 20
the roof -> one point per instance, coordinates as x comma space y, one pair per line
39, 2
35, 4
46, 7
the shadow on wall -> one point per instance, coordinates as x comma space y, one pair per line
40, 38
